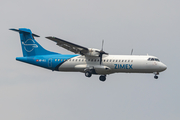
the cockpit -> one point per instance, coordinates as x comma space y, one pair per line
153, 59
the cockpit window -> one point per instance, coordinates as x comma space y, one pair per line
156, 59
153, 59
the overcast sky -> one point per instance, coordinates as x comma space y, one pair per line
28, 92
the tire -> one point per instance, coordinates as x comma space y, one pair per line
88, 74
102, 78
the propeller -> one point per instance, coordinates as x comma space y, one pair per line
101, 52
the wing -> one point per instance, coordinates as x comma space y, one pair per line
77, 49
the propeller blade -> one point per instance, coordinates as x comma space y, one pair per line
102, 45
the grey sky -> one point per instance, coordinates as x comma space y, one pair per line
29, 92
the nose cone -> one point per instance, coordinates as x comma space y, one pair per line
163, 67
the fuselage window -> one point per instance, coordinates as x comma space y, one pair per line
76, 59
55, 59
128, 60
98, 60
122, 60
113, 60
125, 60
104, 60
109, 60
119, 60
58, 59
116, 60
131, 60
61, 59
79, 59
82, 60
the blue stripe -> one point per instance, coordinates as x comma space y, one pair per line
43, 60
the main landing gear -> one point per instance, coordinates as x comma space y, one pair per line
89, 74
102, 78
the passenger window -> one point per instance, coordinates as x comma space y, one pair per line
122, 60
104, 60
58, 59
128, 60
125, 60
119, 60
55, 59
109, 60
131, 60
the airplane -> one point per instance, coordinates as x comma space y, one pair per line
89, 61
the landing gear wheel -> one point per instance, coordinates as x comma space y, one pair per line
88, 74
102, 78
155, 77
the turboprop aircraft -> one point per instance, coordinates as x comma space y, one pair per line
90, 61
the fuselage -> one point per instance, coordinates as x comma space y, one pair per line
110, 63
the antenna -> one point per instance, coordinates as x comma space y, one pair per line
131, 51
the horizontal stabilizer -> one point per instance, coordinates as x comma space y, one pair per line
25, 31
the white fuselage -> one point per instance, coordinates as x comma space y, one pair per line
113, 64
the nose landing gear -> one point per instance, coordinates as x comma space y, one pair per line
156, 73
155, 77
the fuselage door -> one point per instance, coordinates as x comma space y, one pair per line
50, 62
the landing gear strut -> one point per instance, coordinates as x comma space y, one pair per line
102, 78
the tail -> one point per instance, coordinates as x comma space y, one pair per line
30, 47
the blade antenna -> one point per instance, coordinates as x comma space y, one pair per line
131, 51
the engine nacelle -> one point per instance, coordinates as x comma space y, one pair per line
93, 52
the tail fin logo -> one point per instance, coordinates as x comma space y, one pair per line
29, 45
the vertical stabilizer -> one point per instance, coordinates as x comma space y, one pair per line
30, 47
